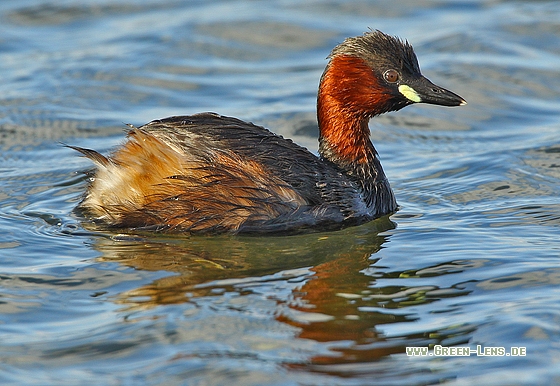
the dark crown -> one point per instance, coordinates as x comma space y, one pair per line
380, 50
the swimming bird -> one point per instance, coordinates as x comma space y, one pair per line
207, 173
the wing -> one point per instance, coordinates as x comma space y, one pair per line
211, 173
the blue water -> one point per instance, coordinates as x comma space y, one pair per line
470, 260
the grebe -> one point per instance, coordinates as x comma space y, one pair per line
207, 173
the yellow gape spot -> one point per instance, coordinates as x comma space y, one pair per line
409, 93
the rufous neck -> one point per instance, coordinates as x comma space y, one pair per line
344, 136
345, 141
344, 106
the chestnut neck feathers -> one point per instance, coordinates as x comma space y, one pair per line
352, 90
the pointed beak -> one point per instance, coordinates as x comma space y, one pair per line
421, 90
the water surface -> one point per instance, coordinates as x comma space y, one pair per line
471, 259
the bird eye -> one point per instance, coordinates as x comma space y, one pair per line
391, 76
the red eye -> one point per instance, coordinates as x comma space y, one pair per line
391, 76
